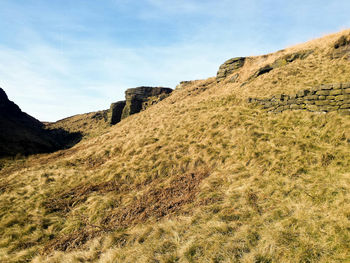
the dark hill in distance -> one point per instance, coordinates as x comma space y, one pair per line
20, 133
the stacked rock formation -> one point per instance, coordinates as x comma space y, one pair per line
229, 67
325, 98
136, 100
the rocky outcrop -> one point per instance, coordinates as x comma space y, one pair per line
20, 133
280, 62
154, 100
136, 97
136, 100
289, 58
229, 67
341, 48
183, 84
115, 112
234, 64
325, 98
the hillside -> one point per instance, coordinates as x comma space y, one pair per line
202, 176
21, 134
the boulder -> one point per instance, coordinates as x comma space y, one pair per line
135, 98
229, 67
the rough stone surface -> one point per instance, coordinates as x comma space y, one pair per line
115, 112
136, 97
341, 48
325, 98
280, 62
229, 67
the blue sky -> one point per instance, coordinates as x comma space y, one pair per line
63, 57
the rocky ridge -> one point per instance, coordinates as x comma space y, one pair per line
136, 100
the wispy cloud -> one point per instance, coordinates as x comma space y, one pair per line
61, 57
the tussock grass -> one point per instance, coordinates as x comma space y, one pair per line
276, 186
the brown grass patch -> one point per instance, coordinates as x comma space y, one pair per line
156, 202
71, 241
64, 202
159, 202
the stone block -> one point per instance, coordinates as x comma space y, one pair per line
321, 102
335, 92
311, 97
323, 92
330, 97
345, 106
345, 101
321, 97
295, 106
346, 85
346, 91
326, 87
328, 108
310, 102
311, 107
342, 97
332, 108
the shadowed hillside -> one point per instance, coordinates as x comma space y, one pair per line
21, 134
202, 176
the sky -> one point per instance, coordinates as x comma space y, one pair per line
59, 58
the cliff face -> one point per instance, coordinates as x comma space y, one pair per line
137, 96
136, 100
116, 111
20, 133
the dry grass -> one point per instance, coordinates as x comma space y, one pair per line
199, 177
88, 124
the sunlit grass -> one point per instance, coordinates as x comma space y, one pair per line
277, 188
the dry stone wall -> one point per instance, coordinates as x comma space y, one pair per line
325, 98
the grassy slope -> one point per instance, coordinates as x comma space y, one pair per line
243, 185
89, 124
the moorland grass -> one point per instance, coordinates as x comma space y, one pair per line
261, 187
